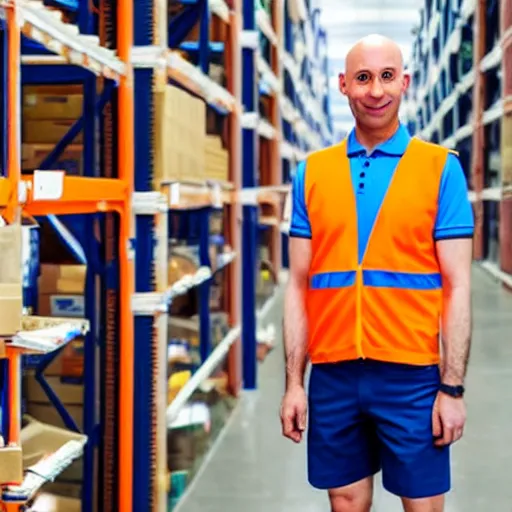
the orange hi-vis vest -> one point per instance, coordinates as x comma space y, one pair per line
387, 306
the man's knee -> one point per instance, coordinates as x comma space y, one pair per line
351, 504
356, 497
433, 504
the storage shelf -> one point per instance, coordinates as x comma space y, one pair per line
126, 247
45, 26
220, 9
455, 100
197, 82
189, 195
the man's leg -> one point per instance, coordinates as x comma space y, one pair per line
413, 468
343, 453
433, 504
356, 497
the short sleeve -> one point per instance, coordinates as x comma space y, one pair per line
299, 225
455, 217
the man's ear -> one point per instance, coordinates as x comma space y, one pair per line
406, 82
342, 82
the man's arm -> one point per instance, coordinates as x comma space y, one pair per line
454, 234
454, 240
295, 326
455, 257
295, 319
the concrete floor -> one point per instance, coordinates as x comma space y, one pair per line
253, 469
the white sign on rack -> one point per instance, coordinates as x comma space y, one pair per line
48, 185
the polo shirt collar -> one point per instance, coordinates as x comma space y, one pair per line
394, 146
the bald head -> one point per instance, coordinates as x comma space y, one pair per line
371, 48
374, 82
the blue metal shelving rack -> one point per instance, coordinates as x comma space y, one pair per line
299, 121
457, 99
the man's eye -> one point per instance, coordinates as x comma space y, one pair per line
387, 75
362, 77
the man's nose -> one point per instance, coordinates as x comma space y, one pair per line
377, 91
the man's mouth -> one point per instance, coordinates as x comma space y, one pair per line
379, 109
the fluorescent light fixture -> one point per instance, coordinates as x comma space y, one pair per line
339, 49
343, 16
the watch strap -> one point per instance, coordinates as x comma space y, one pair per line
454, 391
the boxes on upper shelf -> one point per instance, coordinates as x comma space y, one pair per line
216, 159
48, 114
180, 121
43, 103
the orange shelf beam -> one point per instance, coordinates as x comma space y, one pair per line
80, 195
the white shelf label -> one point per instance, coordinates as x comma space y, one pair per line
48, 185
217, 195
174, 194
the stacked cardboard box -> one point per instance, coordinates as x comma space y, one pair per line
180, 133
216, 159
11, 298
506, 149
48, 114
61, 294
40, 439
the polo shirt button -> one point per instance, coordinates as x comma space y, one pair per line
366, 163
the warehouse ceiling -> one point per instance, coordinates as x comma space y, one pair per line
347, 21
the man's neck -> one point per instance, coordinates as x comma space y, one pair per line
370, 138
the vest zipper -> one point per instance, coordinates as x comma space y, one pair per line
359, 313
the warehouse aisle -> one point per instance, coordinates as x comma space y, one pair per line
253, 469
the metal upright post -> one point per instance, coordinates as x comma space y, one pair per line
150, 77
149, 407
91, 310
506, 139
250, 212
477, 164
125, 132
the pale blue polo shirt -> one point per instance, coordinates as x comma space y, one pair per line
371, 175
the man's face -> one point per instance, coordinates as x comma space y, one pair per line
374, 83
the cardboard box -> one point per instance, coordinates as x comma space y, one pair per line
11, 295
52, 503
41, 105
69, 364
68, 392
39, 438
216, 159
61, 290
48, 131
180, 132
70, 161
11, 465
506, 149
47, 414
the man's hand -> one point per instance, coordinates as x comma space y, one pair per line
448, 419
293, 413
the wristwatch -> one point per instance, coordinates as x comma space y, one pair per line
454, 391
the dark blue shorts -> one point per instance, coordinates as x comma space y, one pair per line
365, 416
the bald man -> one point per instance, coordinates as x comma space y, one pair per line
380, 259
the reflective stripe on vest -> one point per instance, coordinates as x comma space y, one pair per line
388, 305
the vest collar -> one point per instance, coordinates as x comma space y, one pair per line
396, 145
